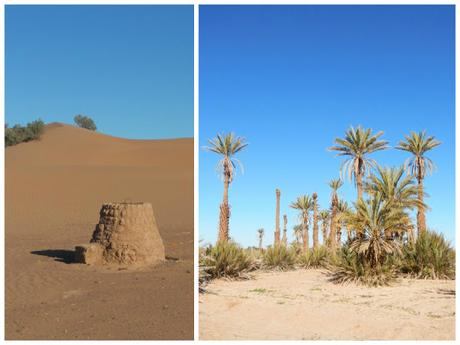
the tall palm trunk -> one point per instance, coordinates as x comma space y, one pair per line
305, 234
284, 240
421, 222
277, 228
260, 242
224, 217
359, 184
332, 231
324, 230
315, 220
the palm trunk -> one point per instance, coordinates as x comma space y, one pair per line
339, 234
359, 181
315, 220
284, 240
260, 243
305, 234
324, 230
332, 232
421, 222
224, 217
277, 225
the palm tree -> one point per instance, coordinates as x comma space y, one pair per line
343, 211
394, 187
304, 204
375, 218
284, 241
335, 185
419, 166
277, 224
226, 145
298, 229
324, 217
261, 237
357, 145
315, 220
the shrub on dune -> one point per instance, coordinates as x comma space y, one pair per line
19, 134
279, 257
430, 257
85, 122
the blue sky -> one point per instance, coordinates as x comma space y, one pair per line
290, 79
130, 68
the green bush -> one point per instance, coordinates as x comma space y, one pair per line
279, 257
431, 256
225, 259
349, 267
85, 122
19, 134
314, 258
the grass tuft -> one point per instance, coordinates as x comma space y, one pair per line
430, 257
279, 257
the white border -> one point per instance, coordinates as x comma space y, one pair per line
196, 118
196, 176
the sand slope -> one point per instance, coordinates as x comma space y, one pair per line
303, 305
54, 190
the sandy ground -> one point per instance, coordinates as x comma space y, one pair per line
54, 190
303, 305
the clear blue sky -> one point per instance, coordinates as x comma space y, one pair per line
290, 79
130, 68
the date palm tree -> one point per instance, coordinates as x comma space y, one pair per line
298, 229
334, 185
375, 218
418, 144
324, 217
395, 187
343, 211
226, 145
357, 145
261, 232
304, 204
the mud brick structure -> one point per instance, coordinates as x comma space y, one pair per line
127, 234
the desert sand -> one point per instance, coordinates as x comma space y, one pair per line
54, 190
304, 305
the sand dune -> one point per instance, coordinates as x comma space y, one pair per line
54, 190
304, 305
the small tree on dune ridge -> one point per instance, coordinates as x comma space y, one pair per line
85, 122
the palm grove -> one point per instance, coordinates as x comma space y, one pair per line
380, 237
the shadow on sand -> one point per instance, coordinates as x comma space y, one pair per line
60, 255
